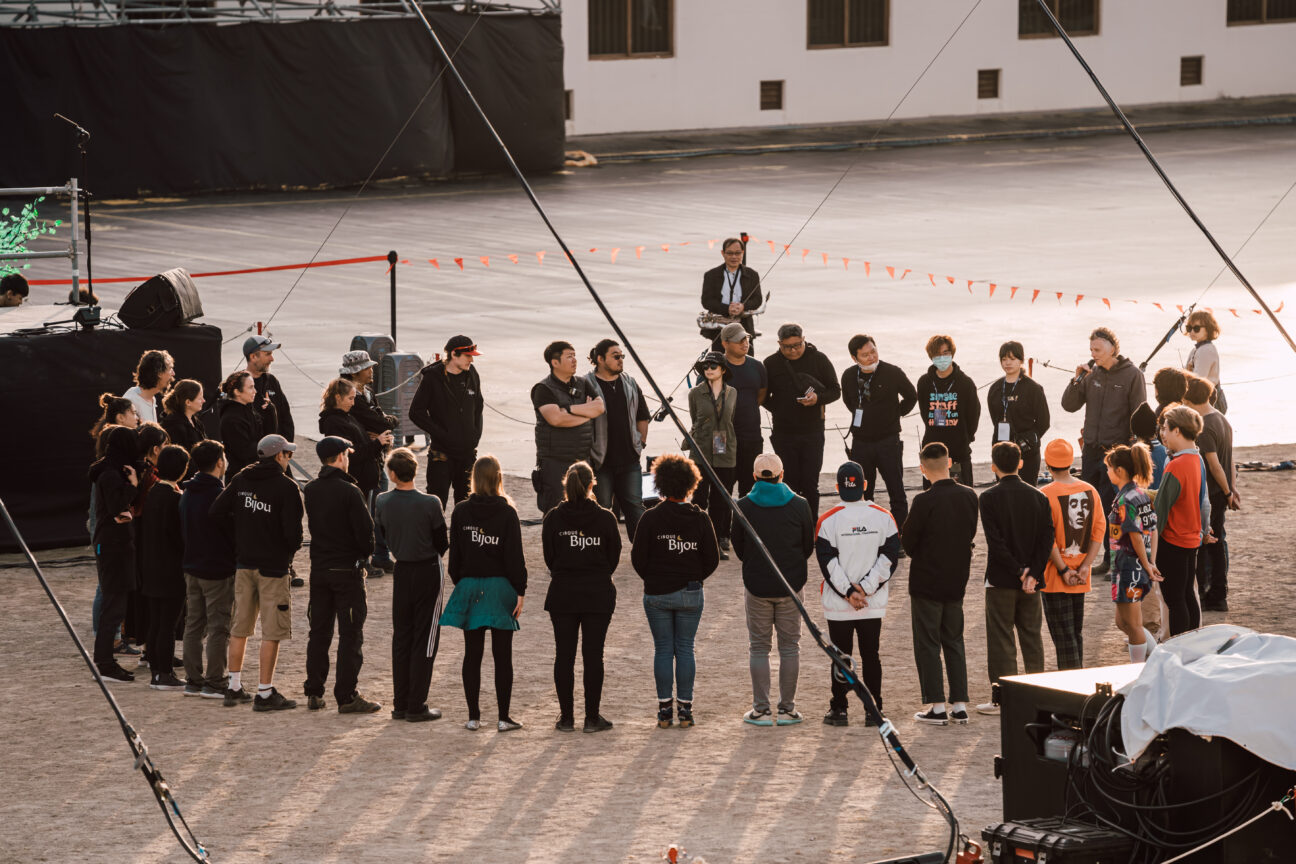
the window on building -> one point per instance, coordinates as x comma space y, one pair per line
843, 23
1077, 17
988, 83
1190, 71
1261, 11
771, 95
630, 28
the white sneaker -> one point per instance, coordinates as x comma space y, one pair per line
988, 708
472, 725
507, 726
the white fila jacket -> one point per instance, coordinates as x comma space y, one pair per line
858, 547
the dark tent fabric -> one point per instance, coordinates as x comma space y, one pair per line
51, 399
199, 107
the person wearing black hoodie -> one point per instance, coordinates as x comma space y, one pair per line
241, 425
802, 382
489, 573
115, 482
448, 407
947, 401
674, 551
265, 507
582, 547
162, 565
1018, 410
337, 420
938, 538
276, 415
783, 522
209, 574
342, 539
878, 394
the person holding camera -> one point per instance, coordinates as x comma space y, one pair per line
1017, 405
358, 368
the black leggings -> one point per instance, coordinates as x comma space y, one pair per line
502, 654
1178, 569
162, 614
593, 626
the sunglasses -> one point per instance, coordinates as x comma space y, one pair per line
1194, 328
710, 365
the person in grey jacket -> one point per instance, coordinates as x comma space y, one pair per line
620, 434
711, 406
1110, 389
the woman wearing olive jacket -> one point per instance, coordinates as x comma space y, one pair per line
711, 407
582, 547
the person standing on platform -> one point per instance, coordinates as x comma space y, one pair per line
938, 538
749, 378
259, 353
265, 509
448, 407
949, 407
1110, 389
620, 434
342, 539
564, 407
415, 527
209, 574
732, 289
711, 409
1018, 531
802, 383
878, 394
1018, 410
1079, 532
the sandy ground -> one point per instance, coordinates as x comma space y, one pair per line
307, 786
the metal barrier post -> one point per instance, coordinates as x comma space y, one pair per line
391, 260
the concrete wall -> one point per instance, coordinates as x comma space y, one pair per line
724, 48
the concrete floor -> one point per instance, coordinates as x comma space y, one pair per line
1080, 216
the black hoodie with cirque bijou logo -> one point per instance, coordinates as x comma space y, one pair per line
582, 548
674, 545
486, 541
266, 510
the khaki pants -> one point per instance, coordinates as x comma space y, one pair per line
267, 596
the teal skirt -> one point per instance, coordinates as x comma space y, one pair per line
477, 603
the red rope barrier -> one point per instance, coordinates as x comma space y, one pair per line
138, 279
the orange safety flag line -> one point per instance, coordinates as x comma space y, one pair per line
459, 261
891, 272
639, 251
540, 257
932, 277
513, 258
485, 259
1035, 295
1079, 297
825, 257
615, 250
1106, 302
434, 263
992, 289
1012, 292
845, 263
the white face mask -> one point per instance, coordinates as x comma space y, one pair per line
872, 367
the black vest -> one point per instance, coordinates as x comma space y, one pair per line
568, 443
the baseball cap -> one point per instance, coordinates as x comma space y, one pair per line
850, 481
356, 361
462, 345
258, 343
330, 446
273, 445
1059, 453
734, 332
768, 466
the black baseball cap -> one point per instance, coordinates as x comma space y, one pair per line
850, 481
462, 345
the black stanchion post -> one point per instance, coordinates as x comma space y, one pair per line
391, 259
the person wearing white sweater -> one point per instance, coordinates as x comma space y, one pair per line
858, 546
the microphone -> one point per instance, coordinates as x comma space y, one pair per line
1081, 377
81, 132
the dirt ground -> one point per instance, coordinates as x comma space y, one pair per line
317, 786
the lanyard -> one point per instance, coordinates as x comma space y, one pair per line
1006, 393
717, 407
864, 388
732, 283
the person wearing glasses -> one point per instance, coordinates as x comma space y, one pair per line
802, 382
1203, 359
732, 290
711, 407
620, 434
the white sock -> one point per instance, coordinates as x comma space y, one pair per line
937, 708
959, 706
1138, 653
236, 680
264, 689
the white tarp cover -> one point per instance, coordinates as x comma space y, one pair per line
1220, 680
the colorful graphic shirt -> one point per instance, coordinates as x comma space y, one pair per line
1131, 513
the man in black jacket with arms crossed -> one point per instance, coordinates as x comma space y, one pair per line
448, 407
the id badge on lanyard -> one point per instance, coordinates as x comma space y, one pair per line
719, 443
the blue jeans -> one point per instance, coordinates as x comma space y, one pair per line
627, 485
673, 619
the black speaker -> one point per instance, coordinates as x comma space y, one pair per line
167, 300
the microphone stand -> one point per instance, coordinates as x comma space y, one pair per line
83, 145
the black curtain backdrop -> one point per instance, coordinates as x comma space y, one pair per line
50, 400
198, 107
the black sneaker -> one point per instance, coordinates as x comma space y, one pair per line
724, 544
297, 582
565, 724
236, 697
126, 648
422, 716
597, 724
191, 689
274, 702
166, 681
1212, 605
959, 717
115, 673
931, 718
315, 703
177, 663
210, 692
724, 556
836, 718
397, 714
869, 721
359, 705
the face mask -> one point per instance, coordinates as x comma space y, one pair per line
870, 368
942, 362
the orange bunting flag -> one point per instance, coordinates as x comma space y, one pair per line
639, 251
867, 268
711, 244
905, 273
1235, 315
1280, 305
665, 247
1012, 292
891, 272
540, 257
615, 250
404, 260
513, 258
685, 243
786, 247
932, 277
969, 286
593, 250
804, 253
845, 263
459, 261
771, 245
992, 289
1035, 294
825, 257
1059, 296
434, 263
1180, 308
1079, 297
1106, 302
485, 259
1159, 307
